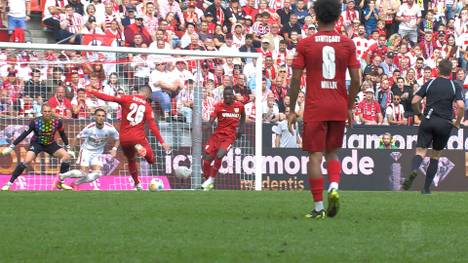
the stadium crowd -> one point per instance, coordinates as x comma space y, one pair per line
399, 44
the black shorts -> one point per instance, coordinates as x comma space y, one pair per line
38, 148
434, 130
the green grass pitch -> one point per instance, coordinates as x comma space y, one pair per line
230, 226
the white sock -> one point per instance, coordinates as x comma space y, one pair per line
333, 185
318, 205
9, 183
71, 173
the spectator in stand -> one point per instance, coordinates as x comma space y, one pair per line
387, 65
270, 110
280, 91
409, 16
19, 12
285, 12
80, 110
77, 6
404, 92
371, 16
13, 85
137, 28
388, 10
171, 6
238, 36
291, 26
261, 25
60, 105
248, 47
185, 40
185, 100
162, 87
300, 11
395, 112
204, 33
6, 104
71, 24
384, 95
241, 91
129, 18
228, 44
221, 15
35, 86
274, 37
369, 110
150, 19
349, 15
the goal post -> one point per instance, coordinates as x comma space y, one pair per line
242, 166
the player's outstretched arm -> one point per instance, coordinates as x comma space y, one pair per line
104, 97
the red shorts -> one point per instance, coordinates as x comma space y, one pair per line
321, 136
128, 149
216, 142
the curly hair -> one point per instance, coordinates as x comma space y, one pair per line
327, 11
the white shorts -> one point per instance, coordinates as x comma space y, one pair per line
89, 158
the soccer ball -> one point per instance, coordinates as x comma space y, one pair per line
182, 171
156, 184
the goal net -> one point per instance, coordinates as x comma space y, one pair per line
186, 85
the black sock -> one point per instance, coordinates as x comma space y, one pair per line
417, 160
17, 172
430, 174
64, 167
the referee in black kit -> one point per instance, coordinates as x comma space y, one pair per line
437, 122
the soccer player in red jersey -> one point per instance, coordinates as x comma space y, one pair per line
231, 118
136, 111
326, 56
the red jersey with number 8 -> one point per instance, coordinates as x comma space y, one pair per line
326, 56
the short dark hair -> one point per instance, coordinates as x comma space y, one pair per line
145, 88
327, 11
445, 67
98, 110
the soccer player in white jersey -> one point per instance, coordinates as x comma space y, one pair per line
95, 137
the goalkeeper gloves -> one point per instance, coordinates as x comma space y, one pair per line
8, 149
70, 152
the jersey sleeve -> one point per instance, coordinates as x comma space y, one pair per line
352, 59
25, 134
299, 57
215, 112
458, 92
60, 126
149, 118
422, 91
106, 97
83, 133
114, 133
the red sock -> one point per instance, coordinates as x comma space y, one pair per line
206, 168
215, 167
316, 188
132, 168
334, 171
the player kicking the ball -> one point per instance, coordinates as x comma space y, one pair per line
231, 118
326, 56
136, 111
44, 129
95, 137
